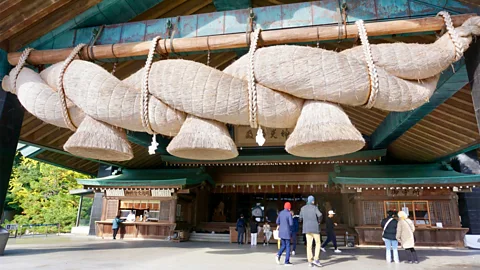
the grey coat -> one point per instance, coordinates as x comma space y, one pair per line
311, 217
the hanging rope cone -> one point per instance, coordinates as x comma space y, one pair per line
97, 140
202, 139
328, 133
391, 77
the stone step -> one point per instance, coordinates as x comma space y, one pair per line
208, 237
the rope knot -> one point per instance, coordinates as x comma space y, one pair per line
372, 69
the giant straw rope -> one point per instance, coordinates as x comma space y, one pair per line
276, 87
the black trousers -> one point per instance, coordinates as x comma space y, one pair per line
115, 231
331, 237
412, 254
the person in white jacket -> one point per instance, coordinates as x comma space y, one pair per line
405, 230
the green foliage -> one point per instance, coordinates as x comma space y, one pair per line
41, 192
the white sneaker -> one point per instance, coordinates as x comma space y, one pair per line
293, 252
323, 249
264, 244
277, 259
337, 251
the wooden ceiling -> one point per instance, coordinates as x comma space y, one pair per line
449, 128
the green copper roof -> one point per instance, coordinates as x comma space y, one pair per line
171, 177
400, 175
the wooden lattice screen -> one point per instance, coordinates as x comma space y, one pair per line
112, 209
373, 212
165, 210
441, 211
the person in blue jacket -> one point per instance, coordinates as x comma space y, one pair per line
115, 226
285, 223
294, 229
241, 225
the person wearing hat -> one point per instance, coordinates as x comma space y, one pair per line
311, 217
284, 222
330, 226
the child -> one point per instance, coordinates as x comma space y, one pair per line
267, 233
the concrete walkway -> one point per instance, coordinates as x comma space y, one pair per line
62, 252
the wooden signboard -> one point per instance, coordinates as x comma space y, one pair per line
137, 193
245, 136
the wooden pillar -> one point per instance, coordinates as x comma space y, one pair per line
173, 210
472, 61
79, 212
11, 117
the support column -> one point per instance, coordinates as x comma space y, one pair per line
470, 202
79, 212
11, 117
472, 61
97, 205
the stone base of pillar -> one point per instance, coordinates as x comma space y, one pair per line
3, 240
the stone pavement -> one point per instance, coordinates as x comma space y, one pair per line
63, 252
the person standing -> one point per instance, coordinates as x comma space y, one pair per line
253, 231
311, 217
331, 237
389, 236
405, 229
115, 226
267, 233
240, 229
294, 232
284, 222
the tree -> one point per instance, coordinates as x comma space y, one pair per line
41, 191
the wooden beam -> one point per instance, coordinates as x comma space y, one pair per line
49, 22
397, 123
473, 146
234, 41
7, 6
28, 15
90, 12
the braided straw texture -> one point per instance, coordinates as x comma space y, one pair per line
97, 140
202, 139
328, 133
285, 77
61, 90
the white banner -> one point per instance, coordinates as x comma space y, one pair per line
162, 192
115, 192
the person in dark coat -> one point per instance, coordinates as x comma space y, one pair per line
284, 222
330, 228
389, 236
241, 225
295, 227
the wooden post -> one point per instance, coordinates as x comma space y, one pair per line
79, 212
472, 61
11, 118
173, 209
234, 41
